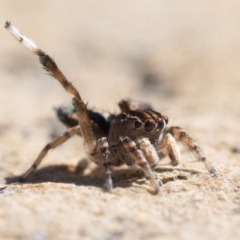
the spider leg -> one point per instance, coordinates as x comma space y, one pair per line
168, 146
149, 151
103, 154
53, 144
51, 67
180, 135
48, 63
139, 158
108, 177
85, 125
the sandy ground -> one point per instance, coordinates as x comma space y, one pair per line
182, 56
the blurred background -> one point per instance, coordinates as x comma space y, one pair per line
181, 56
161, 52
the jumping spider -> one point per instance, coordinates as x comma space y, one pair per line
138, 135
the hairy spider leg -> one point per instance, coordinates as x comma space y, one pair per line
140, 159
51, 145
149, 151
180, 135
103, 151
85, 127
51, 67
169, 147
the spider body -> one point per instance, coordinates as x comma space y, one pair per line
137, 135
135, 124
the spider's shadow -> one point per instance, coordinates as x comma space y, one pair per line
63, 174
57, 174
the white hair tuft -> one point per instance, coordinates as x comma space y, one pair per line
28, 43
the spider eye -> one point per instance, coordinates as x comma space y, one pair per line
166, 120
149, 125
160, 123
138, 124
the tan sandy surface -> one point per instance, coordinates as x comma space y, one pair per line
182, 56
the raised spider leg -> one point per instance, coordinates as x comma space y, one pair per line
48, 63
51, 67
53, 144
140, 159
180, 135
168, 146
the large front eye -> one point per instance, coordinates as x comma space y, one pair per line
149, 125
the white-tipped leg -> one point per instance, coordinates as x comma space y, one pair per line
26, 42
47, 62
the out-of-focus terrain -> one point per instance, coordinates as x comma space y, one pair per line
181, 56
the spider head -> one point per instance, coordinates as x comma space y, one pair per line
140, 123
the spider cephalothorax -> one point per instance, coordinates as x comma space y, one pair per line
137, 135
